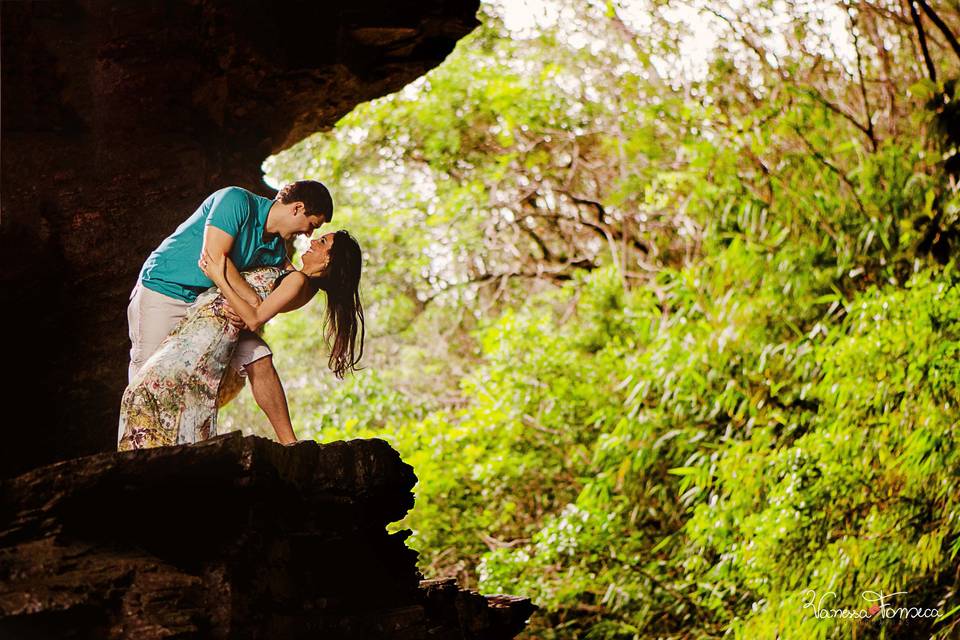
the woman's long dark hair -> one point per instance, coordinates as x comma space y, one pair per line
344, 317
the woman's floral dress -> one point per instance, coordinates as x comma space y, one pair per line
173, 399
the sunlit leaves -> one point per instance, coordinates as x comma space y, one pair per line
659, 347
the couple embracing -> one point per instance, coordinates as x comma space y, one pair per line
197, 311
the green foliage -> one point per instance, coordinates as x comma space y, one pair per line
666, 353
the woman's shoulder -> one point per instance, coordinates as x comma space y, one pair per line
296, 278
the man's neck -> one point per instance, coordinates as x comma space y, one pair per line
270, 227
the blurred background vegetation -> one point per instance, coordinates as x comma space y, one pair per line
661, 307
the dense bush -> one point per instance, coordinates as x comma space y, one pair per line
668, 355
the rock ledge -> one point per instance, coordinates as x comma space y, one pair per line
236, 537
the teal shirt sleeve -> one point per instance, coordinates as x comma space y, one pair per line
228, 211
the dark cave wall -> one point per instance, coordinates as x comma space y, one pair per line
118, 118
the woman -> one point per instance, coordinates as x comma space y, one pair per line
174, 398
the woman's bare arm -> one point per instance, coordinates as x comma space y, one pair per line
290, 294
305, 295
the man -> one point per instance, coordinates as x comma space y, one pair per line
252, 231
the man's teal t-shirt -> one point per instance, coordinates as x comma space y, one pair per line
172, 268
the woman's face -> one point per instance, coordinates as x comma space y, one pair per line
316, 259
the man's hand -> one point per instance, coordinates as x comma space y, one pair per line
231, 315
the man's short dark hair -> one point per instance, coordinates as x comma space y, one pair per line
314, 196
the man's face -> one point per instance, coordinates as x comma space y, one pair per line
308, 224
301, 224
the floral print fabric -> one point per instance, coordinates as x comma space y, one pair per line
174, 397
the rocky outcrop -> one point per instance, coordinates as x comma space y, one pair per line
118, 119
236, 537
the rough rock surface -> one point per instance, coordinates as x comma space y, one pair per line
118, 118
235, 537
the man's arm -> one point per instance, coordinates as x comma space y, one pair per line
218, 242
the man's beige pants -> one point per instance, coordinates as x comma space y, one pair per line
151, 316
